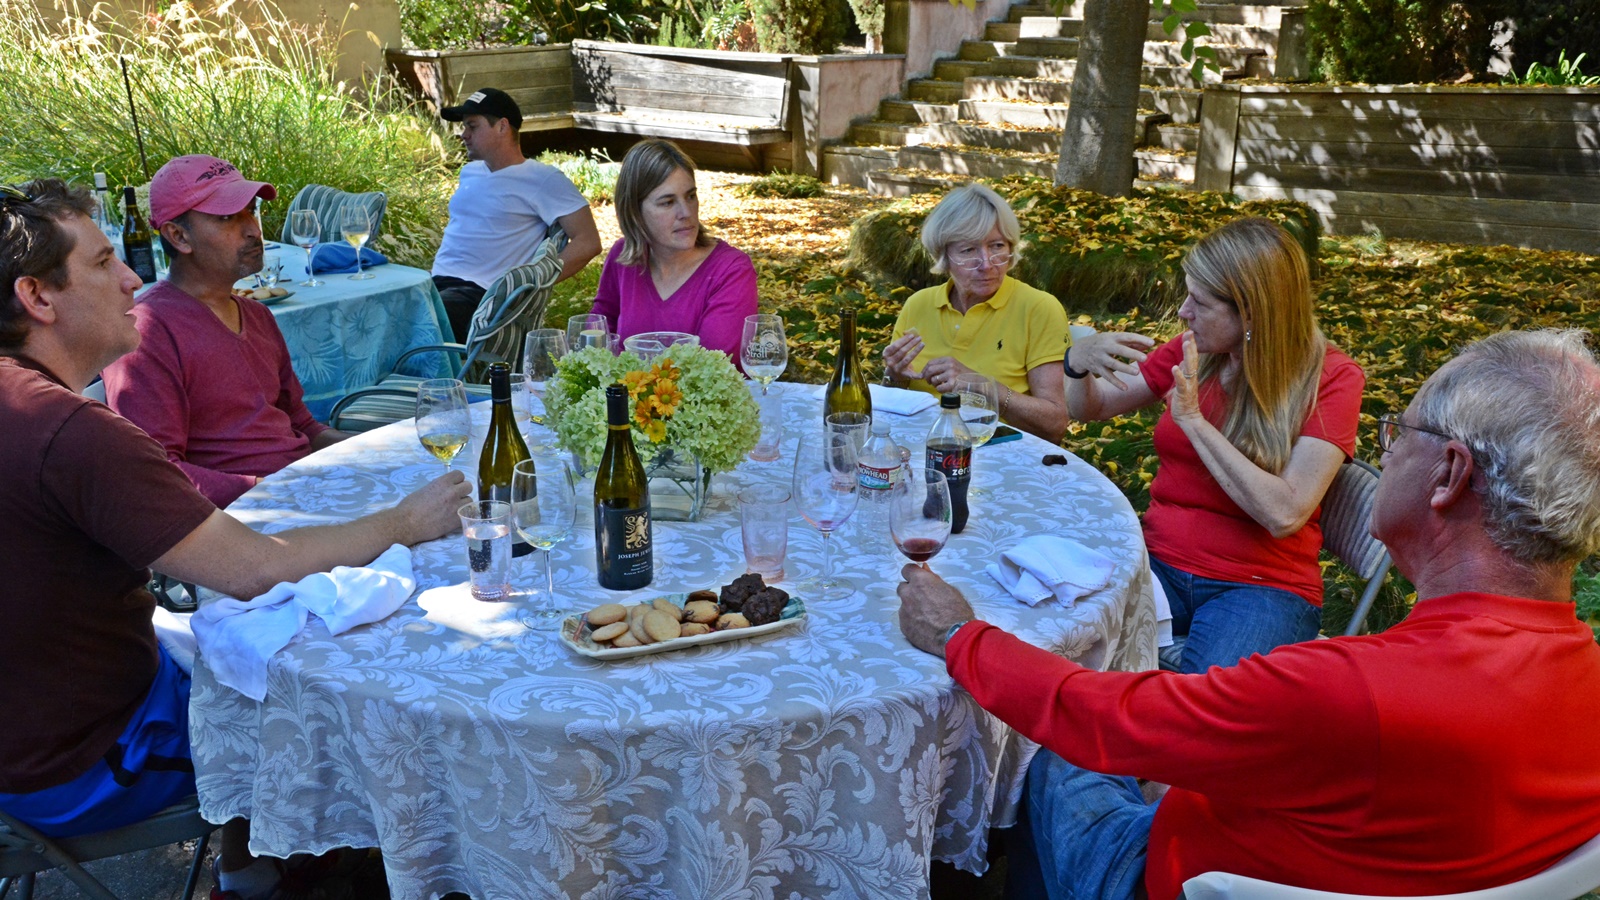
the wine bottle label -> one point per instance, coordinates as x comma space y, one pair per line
623, 539
955, 462
142, 260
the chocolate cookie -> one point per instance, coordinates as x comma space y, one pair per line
765, 606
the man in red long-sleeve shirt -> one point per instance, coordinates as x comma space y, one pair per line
1458, 750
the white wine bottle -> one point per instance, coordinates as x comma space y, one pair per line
136, 239
503, 448
622, 529
847, 390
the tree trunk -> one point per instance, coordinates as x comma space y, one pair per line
1097, 145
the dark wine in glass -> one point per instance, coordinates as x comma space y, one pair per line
920, 515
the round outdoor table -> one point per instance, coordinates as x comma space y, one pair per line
831, 759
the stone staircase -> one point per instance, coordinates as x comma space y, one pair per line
999, 106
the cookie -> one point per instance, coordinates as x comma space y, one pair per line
701, 595
609, 632
663, 605
636, 623
661, 626
765, 606
692, 629
732, 620
625, 640
734, 594
703, 612
607, 613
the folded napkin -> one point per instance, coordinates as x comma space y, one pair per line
898, 401
1163, 613
336, 258
238, 636
1047, 565
176, 636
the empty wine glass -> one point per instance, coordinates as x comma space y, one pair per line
306, 230
825, 491
443, 423
763, 349
544, 507
356, 226
920, 514
541, 350
587, 330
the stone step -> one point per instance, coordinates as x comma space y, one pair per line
1058, 47
1051, 27
1027, 115
1034, 67
1210, 13
1164, 165
1182, 104
977, 163
906, 182
966, 134
932, 91
958, 69
1020, 11
985, 50
1001, 31
1152, 184
1005, 87
915, 111
1221, 34
1058, 87
845, 164
1176, 137
1179, 76
1170, 53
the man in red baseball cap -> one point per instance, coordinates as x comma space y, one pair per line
211, 380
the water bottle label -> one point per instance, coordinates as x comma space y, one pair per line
877, 478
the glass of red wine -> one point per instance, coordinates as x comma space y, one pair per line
919, 515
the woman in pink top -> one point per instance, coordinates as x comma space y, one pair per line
667, 273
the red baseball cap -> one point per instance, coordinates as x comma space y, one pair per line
205, 183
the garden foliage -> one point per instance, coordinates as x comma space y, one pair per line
1398, 41
783, 184
239, 82
800, 26
594, 173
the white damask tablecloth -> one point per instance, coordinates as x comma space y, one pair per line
828, 761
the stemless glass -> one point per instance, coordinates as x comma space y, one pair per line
920, 515
980, 405
763, 349
443, 423
825, 491
306, 229
356, 226
544, 507
587, 330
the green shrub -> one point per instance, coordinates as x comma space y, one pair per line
799, 26
448, 24
594, 173
1545, 30
1565, 73
1397, 41
784, 185
243, 84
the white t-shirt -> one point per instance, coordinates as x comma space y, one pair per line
498, 218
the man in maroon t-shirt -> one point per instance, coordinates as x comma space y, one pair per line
96, 729
1457, 751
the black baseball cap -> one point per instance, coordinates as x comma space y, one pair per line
490, 102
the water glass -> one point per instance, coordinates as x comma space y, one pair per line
271, 270
486, 526
770, 407
853, 425
764, 528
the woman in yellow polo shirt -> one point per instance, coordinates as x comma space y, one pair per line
983, 320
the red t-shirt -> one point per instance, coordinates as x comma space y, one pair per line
1458, 750
87, 501
1192, 524
227, 407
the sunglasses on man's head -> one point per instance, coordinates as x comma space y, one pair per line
9, 194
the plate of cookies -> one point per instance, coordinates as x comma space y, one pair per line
745, 608
266, 296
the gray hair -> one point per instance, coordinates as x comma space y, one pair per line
1527, 405
966, 214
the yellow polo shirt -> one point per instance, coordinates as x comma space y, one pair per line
1002, 337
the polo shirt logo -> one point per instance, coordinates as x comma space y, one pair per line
1000, 344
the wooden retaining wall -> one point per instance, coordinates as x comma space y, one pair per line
1468, 164
538, 78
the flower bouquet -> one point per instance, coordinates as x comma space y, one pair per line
691, 410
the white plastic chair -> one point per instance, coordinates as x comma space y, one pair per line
1572, 877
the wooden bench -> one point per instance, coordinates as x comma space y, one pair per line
538, 78
690, 95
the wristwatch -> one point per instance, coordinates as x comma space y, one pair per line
1066, 366
951, 631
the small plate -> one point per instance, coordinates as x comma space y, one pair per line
244, 291
575, 633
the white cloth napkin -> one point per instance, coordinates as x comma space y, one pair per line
899, 401
1047, 565
238, 636
176, 636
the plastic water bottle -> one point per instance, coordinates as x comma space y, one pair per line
880, 470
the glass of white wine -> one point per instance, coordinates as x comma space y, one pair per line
544, 508
356, 226
306, 229
980, 410
763, 350
443, 423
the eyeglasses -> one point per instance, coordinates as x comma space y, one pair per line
9, 194
1389, 429
994, 255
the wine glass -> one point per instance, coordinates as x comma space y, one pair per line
853, 424
587, 330
920, 514
544, 507
825, 491
306, 229
763, 349
980, 405
443, 423
356, 226
541, 350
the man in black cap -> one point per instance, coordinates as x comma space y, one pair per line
502, 208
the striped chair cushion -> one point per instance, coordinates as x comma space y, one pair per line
329, 204
1346, 512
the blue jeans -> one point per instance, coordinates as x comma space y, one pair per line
1080, 835
1222, 622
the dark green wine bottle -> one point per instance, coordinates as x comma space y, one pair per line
622, 528
847, 390
503, 448
136, 238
